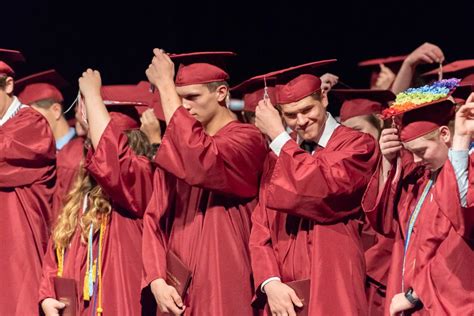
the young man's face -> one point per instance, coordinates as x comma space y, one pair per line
307, 117
432, 153
6, 94
200, 102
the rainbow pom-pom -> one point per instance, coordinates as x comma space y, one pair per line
416, 97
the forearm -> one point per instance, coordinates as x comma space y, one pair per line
403, 78
170, 99
97, 117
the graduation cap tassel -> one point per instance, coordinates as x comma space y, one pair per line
440, 72
72, 104
266, 97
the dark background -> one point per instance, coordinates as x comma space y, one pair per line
118, 39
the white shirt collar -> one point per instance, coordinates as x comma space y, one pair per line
14, 107
329, 127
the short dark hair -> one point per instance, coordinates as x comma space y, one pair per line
46, 103
317, 95
212, 86
3, 82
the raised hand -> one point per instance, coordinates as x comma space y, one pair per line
328, 81
390, 143
151, 126
384, 79
268, 120
161, 69
427, 53
90, 83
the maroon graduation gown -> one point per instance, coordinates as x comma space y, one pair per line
439, 258
127, 179
307, 222
67, 166
201, 208
377, 260
27, 176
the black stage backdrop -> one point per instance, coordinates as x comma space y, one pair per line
118, 39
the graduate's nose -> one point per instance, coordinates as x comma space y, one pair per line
301, 120
416, 158
186, 105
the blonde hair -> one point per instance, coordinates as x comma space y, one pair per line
98, 203
70, 217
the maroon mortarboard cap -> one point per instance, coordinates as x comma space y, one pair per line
201, 67
44, 85
8, 58
358, 102
463, 69
144, 88
125, 103
393, 63
425, 119
253, 90
387, 61
296, 83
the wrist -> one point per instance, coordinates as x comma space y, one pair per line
409, 63
461, 142
165, 85
92, 97
411, 296
272, 281
275, 133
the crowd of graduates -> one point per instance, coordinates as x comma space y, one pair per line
287, 194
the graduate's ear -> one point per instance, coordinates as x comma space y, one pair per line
57, 110
222, 92
324, 98
9, 85
445, 134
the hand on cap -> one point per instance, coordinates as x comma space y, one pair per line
151, 126
90, 83
161, 69
390, 143
268, 120
464, 125
384, 79
328, 81
425, 54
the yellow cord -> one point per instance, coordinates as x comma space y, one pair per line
103, 226
60, 257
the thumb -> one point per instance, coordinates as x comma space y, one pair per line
59, 305
176, 298
295, 299
470, 98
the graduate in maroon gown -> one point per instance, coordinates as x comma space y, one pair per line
416, 197
361, 110
42, 92
308, 220
27, 177
205, 189
97, 238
